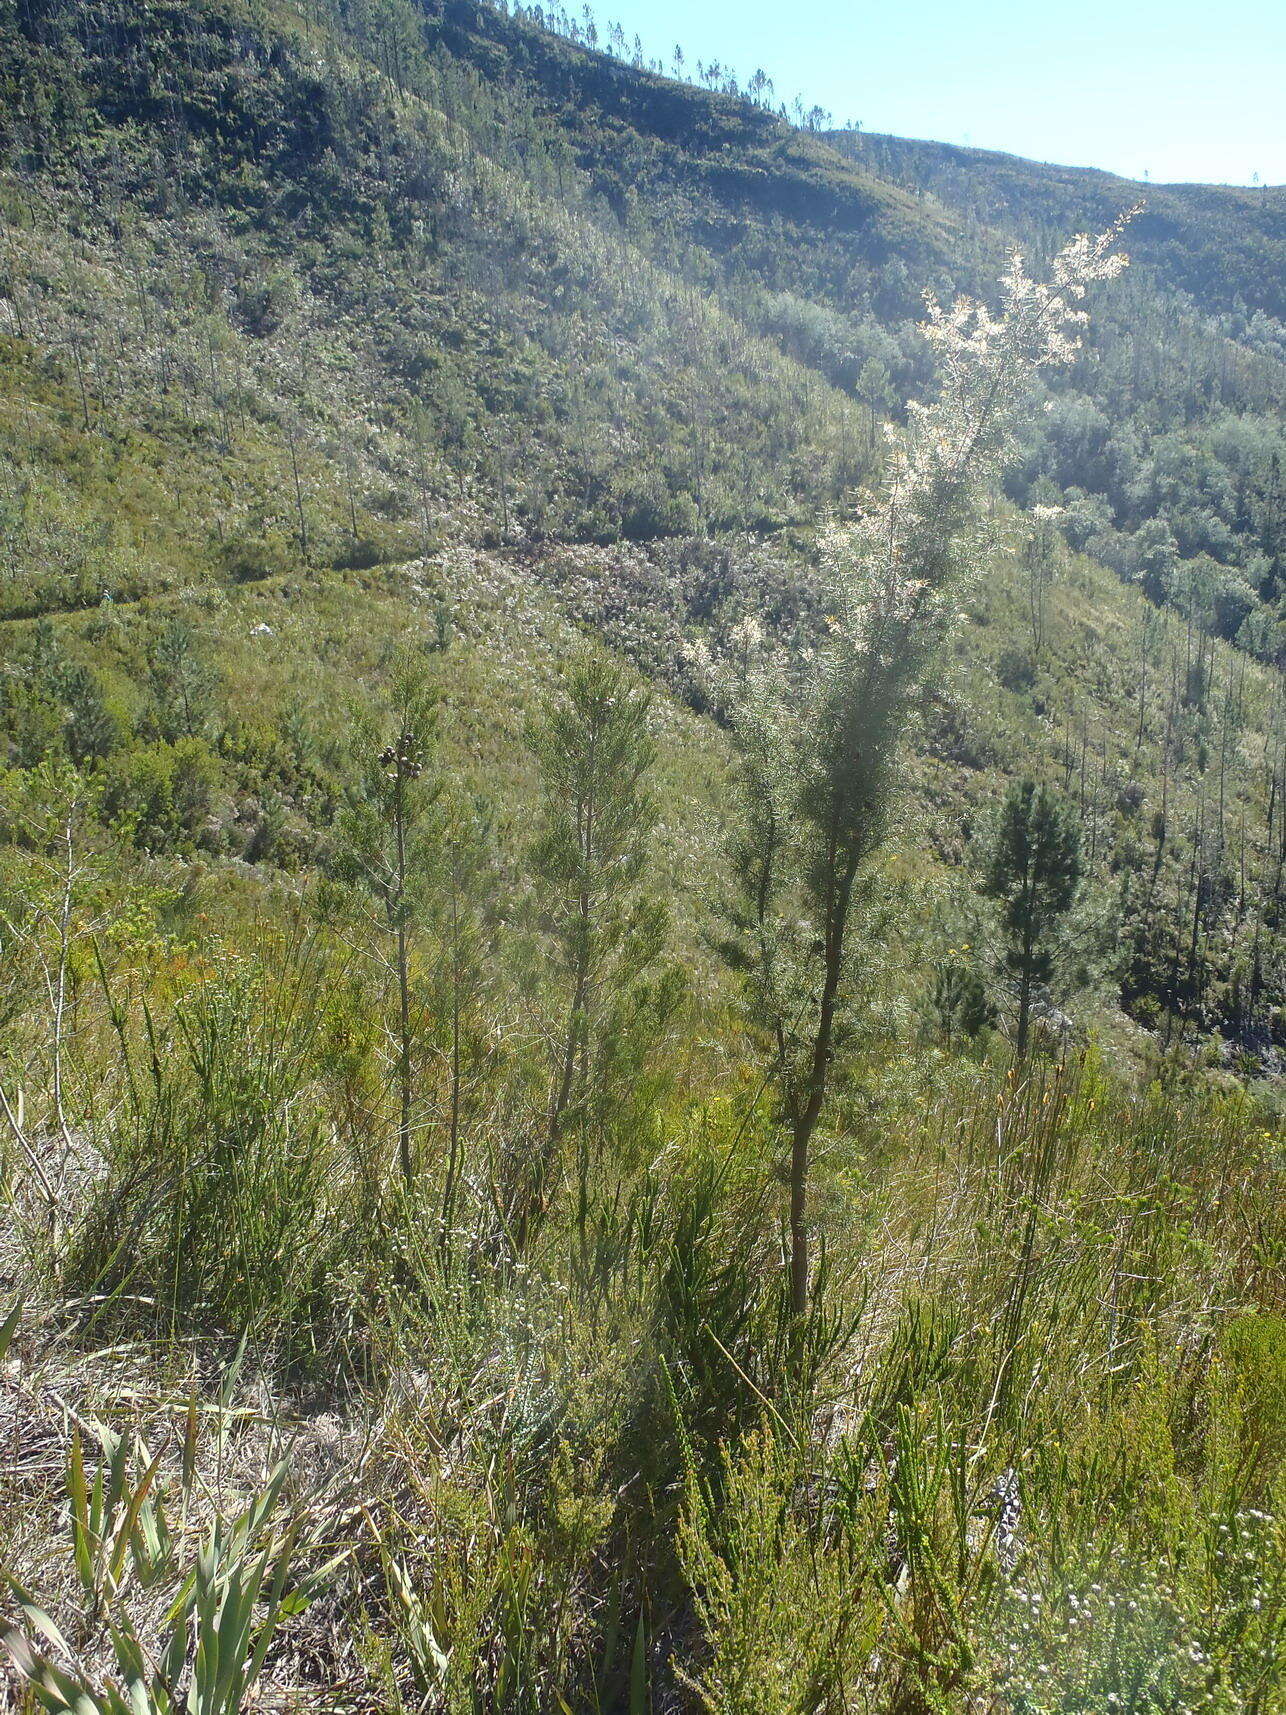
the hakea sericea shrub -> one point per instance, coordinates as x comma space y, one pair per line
819, 733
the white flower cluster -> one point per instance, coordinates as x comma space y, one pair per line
897, 562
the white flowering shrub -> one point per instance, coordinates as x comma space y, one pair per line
1208, 1634
819, 734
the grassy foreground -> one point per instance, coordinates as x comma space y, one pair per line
1028, 1455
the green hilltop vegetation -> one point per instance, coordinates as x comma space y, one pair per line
642, 958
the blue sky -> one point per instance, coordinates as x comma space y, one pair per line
1185, 90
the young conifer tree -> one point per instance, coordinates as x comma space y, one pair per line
1033, 870
818, 738
389, 848
593, 746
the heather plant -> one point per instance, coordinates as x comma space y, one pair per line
494, 1622
1024, 1498
790, 1624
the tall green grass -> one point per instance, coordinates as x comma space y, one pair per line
1024, 1453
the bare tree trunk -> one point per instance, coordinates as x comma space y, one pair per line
453, 1118
571, 1050
80, 377
805, 1119
299, 498
403, 988
1024, 1012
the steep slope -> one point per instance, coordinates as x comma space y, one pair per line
324, 305
1221, 244
347, 253
1165, 441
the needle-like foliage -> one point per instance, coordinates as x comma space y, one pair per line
819, 741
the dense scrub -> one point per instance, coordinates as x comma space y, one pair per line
1028, 1457
412, 423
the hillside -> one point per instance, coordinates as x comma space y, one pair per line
1219, 243
443, 475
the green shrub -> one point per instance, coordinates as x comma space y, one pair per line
222, 1203
1252, 1352
162, 792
